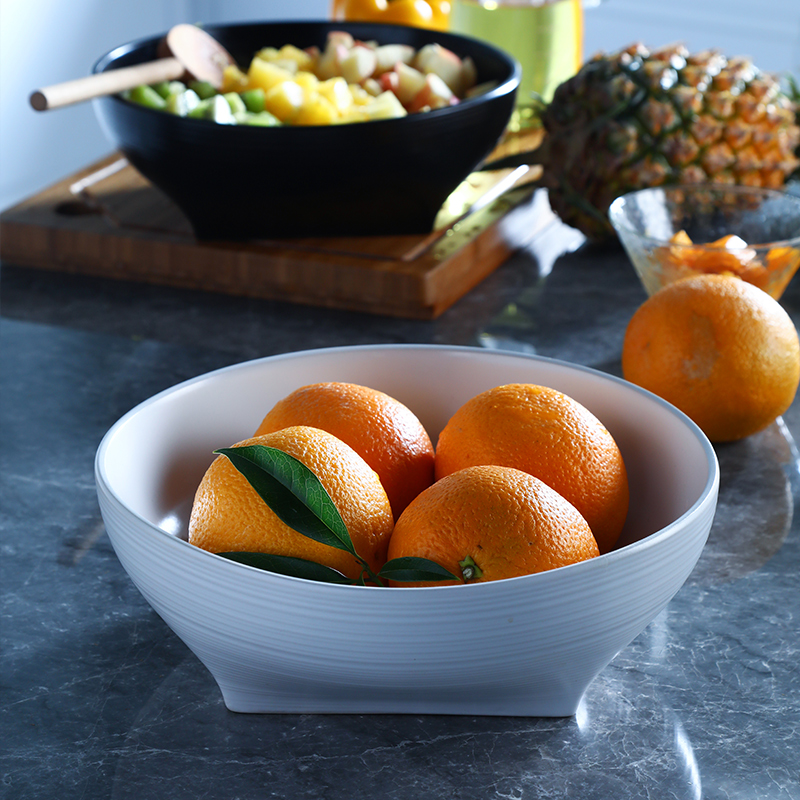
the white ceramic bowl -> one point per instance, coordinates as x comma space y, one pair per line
524, 646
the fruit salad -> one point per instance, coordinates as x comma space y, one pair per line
347, 81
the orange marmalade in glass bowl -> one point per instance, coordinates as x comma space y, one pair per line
675, 232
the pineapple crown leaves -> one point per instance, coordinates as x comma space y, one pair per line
298, 498
793, 90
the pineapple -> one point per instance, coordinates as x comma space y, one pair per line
641, 118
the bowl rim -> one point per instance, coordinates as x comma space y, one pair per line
620, 223
600, 562
510, 84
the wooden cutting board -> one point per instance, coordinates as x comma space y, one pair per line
108, 221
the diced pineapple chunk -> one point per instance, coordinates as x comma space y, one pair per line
268, 53
353, 114
307, 80
265, 75
304, 60
317, 110
287, 64
233, 80
384, 106
337, 92
284, 100
361, 96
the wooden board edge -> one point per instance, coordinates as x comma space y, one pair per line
65, 251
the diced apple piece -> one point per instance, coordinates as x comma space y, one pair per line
317, 110
410, 81
387, 55
337, 92
388, 82
469, 76
340, 38
284, 100
438, 60
384, 106
370, 87
480, 88
264, 75
434, 94
358, 64
329, 64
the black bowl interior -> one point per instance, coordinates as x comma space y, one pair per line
381, 177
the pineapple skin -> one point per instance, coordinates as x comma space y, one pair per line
639, 118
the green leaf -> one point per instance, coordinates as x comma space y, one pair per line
293, 492
410, 568
286, 565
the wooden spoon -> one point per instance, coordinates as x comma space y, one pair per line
193, 51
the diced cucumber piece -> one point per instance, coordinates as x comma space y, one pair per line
235, 102
161, 88
177, 87
263, 119
181, 104
253, 100
147, 96
215, 109
221, 111
203, 110
168, 88
203, 89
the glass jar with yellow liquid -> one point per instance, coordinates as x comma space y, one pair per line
545, 36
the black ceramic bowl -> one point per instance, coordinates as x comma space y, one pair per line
365, 178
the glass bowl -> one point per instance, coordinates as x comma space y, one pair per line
675, 232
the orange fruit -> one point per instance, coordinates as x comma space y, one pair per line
384, 432
229, 516
724, 352
500, 520
548, 434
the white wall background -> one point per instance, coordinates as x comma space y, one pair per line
48, 41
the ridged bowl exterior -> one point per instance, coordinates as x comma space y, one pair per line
525, 646
370, 178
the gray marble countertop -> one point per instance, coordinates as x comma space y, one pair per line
101, 700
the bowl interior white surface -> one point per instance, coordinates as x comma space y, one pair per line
151, 461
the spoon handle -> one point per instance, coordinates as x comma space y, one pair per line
105, 83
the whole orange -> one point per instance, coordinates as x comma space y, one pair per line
718, 348
550, 435
495, 522
383, 431
229, 516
